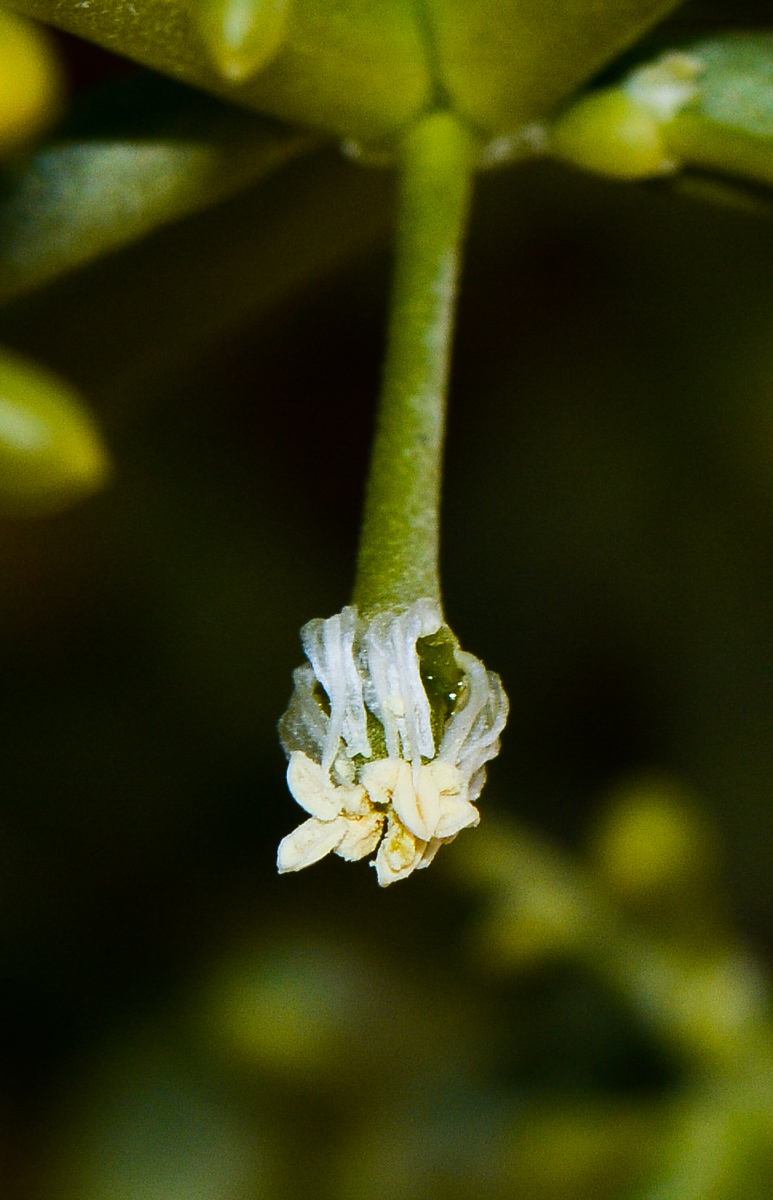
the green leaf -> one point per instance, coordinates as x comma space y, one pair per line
30, 82
137, 155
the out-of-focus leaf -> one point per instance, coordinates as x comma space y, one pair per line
136, 155
30, 82
728, 125
655, 849
146, 312
146, 1127
355, 68
50, 452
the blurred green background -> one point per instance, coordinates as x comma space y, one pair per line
178, 1022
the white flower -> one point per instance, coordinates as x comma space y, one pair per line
380, 757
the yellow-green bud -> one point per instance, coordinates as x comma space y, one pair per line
30, 82
610, 133
51, 454
242, 36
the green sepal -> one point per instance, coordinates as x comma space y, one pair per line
50, 451
514, 61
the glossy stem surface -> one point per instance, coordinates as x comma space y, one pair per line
398, 557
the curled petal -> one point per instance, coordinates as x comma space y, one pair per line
471, 736
361, 837
310, 842
398, 855
430, 851
456, 814
330, 648
394, 690
416, 801
447, 777
311, 787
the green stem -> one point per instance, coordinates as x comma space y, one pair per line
398, 558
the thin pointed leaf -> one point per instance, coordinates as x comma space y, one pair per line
728, 126
124, 321
137, 155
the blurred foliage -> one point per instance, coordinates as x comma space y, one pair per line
30, 83
573, 1013
50, 452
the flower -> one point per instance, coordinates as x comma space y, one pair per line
388, 732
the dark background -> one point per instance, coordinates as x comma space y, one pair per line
607, 549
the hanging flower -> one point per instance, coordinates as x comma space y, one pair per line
388, 732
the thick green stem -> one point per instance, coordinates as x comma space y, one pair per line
398, 559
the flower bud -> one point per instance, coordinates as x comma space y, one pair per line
610, 133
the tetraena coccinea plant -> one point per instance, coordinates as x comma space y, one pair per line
391, 723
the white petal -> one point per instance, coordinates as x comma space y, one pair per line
430, 852
379, 778
354, 801
310, 842
456, 814
416, 800
361, 837
311, 787
398, 855
447, 777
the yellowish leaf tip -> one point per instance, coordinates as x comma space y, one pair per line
242, 36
